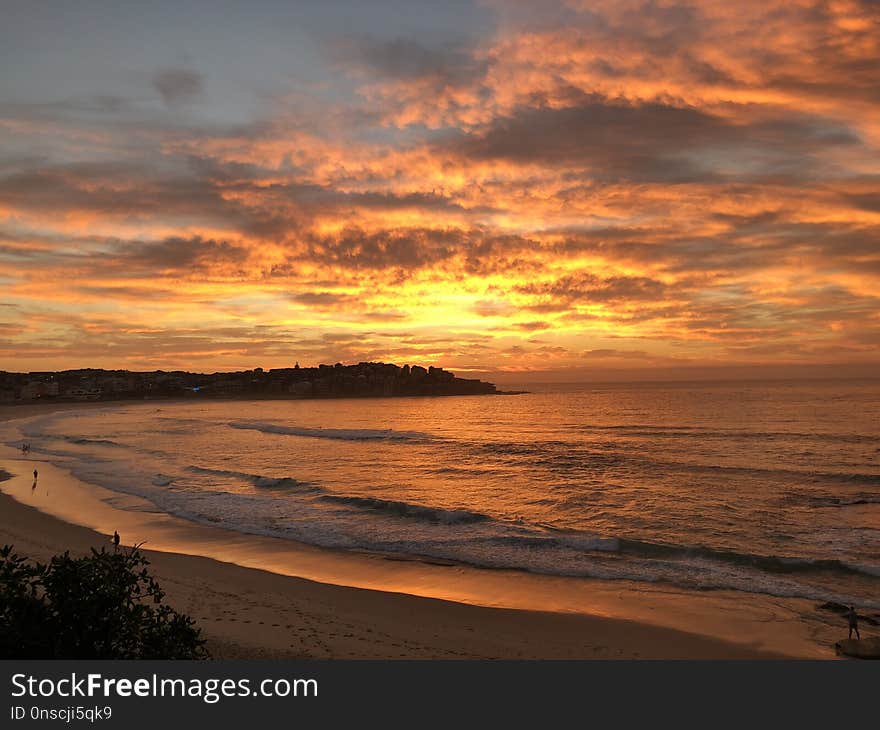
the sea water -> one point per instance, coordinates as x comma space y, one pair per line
768, 487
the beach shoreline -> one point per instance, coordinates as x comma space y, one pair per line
261, 597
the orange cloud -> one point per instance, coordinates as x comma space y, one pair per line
634, 182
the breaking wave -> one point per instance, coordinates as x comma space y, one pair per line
343, 434
258, 480
410, 511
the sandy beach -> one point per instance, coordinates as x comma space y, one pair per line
259, 597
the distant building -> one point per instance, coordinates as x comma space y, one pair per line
84, 393
301, 388
365, 379
39, 389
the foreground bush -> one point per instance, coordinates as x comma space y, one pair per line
99, 606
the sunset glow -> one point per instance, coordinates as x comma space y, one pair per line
496, 186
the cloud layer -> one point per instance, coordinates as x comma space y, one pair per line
630, 183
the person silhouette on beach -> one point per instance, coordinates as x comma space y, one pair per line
853, 619
35, 475
115, 540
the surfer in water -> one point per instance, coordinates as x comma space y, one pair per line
853, 619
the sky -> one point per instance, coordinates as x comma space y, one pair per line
493, 186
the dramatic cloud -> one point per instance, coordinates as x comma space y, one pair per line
655, 142
607, 183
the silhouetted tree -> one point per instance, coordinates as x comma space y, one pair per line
100, 606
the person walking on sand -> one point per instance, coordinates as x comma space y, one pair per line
853, 619
115, 540
35, 475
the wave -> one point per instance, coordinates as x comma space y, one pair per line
554, 538
816, 476
680, 431
344, 434
831, 501
458, 471
220, 472
259, 480
407, 509
573, 540
564, 457
281, 483
87, 441
766, 563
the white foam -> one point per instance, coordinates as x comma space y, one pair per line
343, 434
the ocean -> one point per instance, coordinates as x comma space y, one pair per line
764, 487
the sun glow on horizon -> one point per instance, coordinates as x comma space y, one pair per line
612, 184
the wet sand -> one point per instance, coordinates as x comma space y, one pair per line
263, 597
